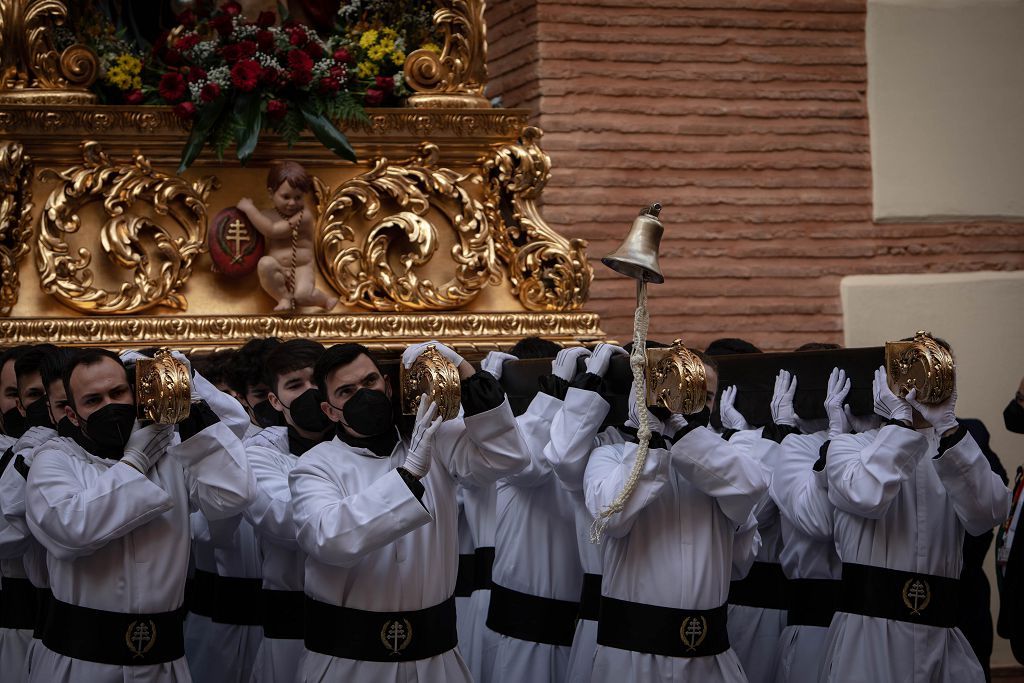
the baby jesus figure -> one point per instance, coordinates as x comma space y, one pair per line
287, 271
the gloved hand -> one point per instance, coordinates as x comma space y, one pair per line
32, 439
941, 416
413, 352
564, 364
421, 445
602, 355
129, 357
147, 445
862, 423
673, 424
838, 389
782, 399
494, 363
887, 404
731, 418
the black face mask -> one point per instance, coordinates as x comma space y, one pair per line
106, 431
37, 413
265, 414
14, 423
701, 419
1013, 417
369, 413
68, 428
660, 412
306, 412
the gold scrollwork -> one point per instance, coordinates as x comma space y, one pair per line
15, 219
548, 272
157, 278
457, 77
387, 210
33, 70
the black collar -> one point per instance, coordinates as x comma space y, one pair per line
298, 444
381, 446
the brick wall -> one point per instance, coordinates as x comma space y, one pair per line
748, 122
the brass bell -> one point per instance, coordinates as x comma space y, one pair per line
637, 256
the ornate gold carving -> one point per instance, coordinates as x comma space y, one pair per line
434, 375
676, 379
33, 71
468, 331
920, 364
15, 219
457, 77
163, 388
157, 278
547, 271
389, 205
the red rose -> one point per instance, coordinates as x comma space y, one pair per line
232, 8
266, 19
314, 50
268, 75
231, 53
186, 42
187, 18
301, 66
386, 83
222, 24
210, 92
339, 72
246, 75
297, 36
265, 41
172, 57
329, 86
276, 109
342, 55
248, 48
374, 97
134, 97
196, 73
172, 87
185, 110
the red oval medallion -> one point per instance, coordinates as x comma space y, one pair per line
235, 245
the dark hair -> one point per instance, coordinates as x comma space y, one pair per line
86, 357
535, 347
817, 346
214, 366
52, 367
30, 361
290, 171
728, 346
13, 354
708, 360
292, 355
246, 367
336, 357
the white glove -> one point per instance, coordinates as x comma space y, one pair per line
673, 424
782, 399
598, 361
421, 445
413, 352
838, 389
564, 364
494, 363
129, 357
887, 404
147, 445
31, 440
862, 423
731, 418
941, 416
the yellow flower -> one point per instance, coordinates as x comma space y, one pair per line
376, 53
398, 58
390, 34
368, 38
366, 69
433, 47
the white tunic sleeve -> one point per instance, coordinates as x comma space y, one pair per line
220, 482
721, 471
482, 448
14, 534
229, 410
535, 427
271, 509
799, 491
979, 497
338, 528
746, 544
573, 434
864, 480
72, 518
607, 473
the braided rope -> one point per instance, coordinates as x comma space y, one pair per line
289, 279
638, 364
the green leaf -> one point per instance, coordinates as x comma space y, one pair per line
208, 117
247, 121
326, 133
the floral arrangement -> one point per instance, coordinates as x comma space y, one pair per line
121, 61
233, 77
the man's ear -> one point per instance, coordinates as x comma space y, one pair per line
275, 402
71, 415
20, 406
387, 385
332, 413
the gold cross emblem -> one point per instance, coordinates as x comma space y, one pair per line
396, 634
237, 233
692, 632
140, 637
916, 595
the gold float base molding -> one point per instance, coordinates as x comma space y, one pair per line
384, 332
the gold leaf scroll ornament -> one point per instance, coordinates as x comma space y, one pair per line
15, 219
389, 215
156, 277
457, 77
548, 272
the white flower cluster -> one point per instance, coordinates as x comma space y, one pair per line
221, 76
202, 51
242, 30
322, 69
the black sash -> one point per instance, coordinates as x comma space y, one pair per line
380, 636
484, 565
532, 618
590, 597
200, 592
238, 601
812, 602
283, 614
902, 596
465, 582
662, 630
112, 637
43, 596
764, 587
17, 603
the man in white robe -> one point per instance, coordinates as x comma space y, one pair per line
377, 518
